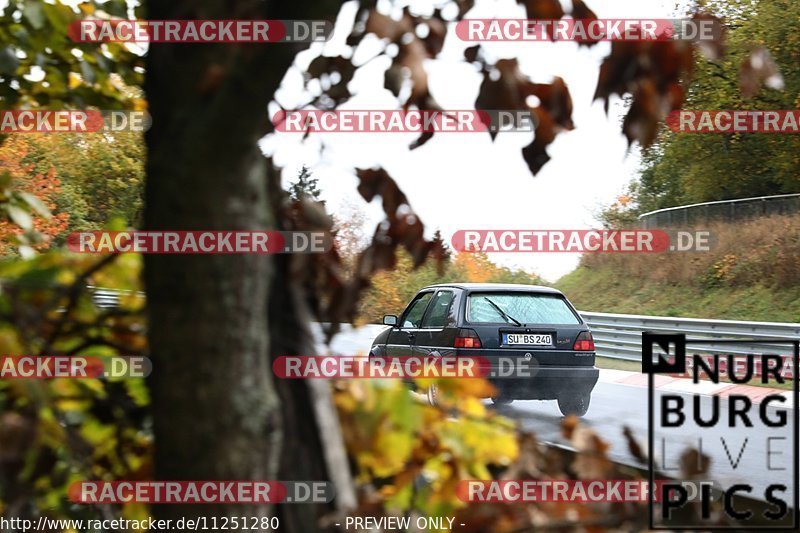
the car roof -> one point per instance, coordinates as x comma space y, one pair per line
474, 287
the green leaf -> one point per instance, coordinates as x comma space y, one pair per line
34, 14
8, 61
116, 9
5, 179
59, 16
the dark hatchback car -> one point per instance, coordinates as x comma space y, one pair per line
534, 326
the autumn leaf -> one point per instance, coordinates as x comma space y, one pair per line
324, 68
581, 11
543, 9
759, 70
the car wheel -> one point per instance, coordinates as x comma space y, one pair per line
433, 395
502, 400
574, 405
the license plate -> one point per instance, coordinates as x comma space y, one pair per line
530, 339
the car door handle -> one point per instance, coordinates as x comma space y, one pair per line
410, 335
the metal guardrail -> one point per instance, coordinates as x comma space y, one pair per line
620, 336
723, 210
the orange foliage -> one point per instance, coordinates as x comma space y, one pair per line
476, 267
45, 186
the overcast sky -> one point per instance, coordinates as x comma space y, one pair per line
464, 181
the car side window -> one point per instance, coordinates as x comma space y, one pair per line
438, 310
415, 312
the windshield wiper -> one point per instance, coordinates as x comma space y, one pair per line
503, 313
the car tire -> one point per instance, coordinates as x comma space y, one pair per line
502, 400
574, 405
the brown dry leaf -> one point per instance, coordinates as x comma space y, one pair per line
582, 12
543, 9
643, 118
497, 517
591, 461
377, 182
505, 92
712, 49
694, 464
562, 512
757, 70
554, 462
434, 41
464, 6
618, 69
409, 65
568, 426
509, 91
388, 28
653, 72
555, 98
553, 115
529, 460
325, 65
400, 228
422, 139
535, 154
633, 445
471, 53
667, 62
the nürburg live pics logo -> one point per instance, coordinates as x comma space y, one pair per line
724, 442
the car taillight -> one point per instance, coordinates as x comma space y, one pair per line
467, 338
584, 342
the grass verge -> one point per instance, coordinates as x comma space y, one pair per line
609, 290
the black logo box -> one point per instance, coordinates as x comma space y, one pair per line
678, 366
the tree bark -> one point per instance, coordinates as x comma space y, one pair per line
217, 412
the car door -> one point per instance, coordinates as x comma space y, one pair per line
402, 338
437, 330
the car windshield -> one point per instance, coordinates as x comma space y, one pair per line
523, 307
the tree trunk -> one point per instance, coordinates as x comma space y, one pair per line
217, 413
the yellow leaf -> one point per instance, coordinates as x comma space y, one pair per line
139, 104
74, 80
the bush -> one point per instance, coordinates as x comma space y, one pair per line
757, 252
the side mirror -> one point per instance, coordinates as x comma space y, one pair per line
390, 320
